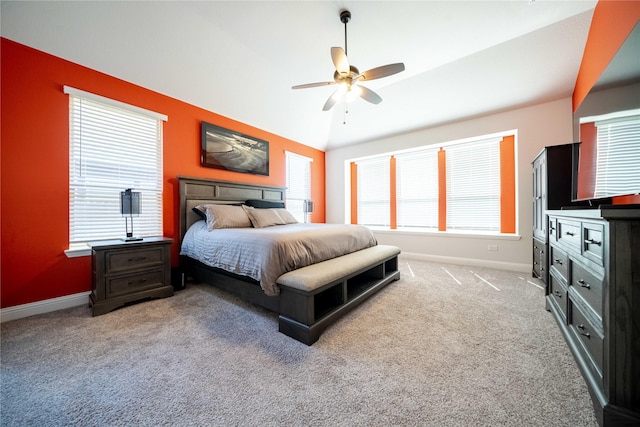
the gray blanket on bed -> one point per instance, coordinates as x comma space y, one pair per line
264, 254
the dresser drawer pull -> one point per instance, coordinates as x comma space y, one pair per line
137, 282
558, 261
592, 242
137, 258
568, 233
582, 331
584, 284
557, 293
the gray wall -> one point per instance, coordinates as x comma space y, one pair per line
537, 126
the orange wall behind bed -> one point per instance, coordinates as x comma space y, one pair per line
34, 159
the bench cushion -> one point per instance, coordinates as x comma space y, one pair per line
317, 275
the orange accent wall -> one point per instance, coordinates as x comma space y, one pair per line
507, 185
354, 193
611, 23
35, 167
392, 194
442, 190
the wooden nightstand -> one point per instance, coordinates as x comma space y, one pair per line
124, 272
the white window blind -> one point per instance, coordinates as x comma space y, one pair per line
298, 185
374, 192
473, 185
112, 148
417, 189
618, 170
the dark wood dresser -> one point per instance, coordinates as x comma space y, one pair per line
124, 272
551, 190
594, 296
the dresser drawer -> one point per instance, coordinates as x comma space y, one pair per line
559, 261
588, 285
592, 243
133, 283
558, 294
589, 337
569, 233
119, 260
553, 229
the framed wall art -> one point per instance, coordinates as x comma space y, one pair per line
234, 151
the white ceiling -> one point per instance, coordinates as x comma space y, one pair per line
240, 59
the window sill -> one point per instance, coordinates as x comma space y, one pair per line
79, 250
448, 234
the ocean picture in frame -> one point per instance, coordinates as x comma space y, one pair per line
234, 151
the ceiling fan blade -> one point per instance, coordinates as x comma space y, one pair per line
340, 60
380, 72
332, 100
308, 85
369, 95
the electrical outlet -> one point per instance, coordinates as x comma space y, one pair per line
492, 247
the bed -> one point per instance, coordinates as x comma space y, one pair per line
321, 280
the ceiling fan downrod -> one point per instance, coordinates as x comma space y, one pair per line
345, 17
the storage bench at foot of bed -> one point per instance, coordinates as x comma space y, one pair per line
313, 297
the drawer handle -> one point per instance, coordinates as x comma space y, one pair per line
568, 233
535, 263
557, 293
582, 331
137, 282
584, 284
592, 242
137, 258
557, 261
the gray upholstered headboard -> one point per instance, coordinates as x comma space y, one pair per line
196, 191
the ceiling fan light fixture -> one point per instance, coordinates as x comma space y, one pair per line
353, 91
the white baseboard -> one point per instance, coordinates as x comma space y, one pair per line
45, 306
500, 265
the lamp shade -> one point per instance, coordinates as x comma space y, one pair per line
129, 202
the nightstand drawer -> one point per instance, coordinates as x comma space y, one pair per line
135, 282
588, 286
119, 260
592, 244
569, 233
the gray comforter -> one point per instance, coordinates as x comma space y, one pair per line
264, 254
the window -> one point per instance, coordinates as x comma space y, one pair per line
298, 192
618, 171
473, 186
463, 186
373, 192
417, 205
113, 147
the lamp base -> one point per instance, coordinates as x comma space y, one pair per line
131, 239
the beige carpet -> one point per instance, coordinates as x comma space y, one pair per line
425, 351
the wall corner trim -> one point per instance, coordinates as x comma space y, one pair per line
44, 306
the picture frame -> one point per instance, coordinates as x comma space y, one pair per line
226, 149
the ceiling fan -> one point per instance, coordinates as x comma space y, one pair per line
348, 77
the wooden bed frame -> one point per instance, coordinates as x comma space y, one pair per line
304, 311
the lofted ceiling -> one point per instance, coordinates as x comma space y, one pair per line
240, 59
